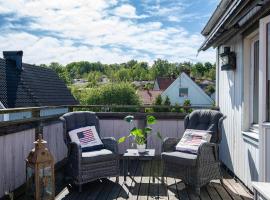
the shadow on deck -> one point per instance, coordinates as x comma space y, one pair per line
144, 182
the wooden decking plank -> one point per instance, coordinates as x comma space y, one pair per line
221, 191
238, 187
162, 189
212, 192
231, 190
125, 192
145, 181
171, 188
137, 178
181, 189
204, 194
153, 186
140, 185
192, 195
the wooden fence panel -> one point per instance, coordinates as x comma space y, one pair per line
14, 149
53, 134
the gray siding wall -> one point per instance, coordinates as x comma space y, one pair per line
237, 152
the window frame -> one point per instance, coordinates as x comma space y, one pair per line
180, 92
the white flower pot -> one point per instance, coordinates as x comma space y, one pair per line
141, 148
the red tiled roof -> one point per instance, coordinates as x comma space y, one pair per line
148, 96
164, 82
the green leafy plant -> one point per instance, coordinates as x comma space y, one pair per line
140, 135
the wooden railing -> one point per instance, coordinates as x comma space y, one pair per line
17, 136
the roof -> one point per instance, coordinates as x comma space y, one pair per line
148, 96
33, 86
230, 18
164, 82
192, 83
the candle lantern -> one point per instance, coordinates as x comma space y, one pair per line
228, 59
40, 172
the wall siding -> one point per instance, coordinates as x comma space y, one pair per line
14, 148
236, 153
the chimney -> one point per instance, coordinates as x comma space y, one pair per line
15, 56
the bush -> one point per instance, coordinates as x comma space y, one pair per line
110, 94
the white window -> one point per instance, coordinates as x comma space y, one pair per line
183, 92
254, 112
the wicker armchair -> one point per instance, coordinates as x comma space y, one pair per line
196, 170
85, 167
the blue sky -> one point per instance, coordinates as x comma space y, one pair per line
109, 31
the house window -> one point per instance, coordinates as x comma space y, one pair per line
268, 71
183, 92
255, 78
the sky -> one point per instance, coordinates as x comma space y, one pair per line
109, 31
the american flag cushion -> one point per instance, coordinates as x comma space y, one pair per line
192, 139
87, 137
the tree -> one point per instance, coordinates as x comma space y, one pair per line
111, 94
167, 102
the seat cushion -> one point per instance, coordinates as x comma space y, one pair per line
180, 158
98, 156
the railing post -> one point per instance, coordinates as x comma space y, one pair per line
39, 126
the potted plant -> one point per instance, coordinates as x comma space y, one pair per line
140, 135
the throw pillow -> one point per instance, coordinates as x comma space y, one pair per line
87, 137
192, 139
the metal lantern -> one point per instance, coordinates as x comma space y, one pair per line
40, 172
228, 59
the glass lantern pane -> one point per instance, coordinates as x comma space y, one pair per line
30, 182
46, 183
225, 60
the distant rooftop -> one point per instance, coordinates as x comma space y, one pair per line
31, 86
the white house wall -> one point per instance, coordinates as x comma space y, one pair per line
238, 152
196, 95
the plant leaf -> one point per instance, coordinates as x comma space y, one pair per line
129, 118
122, 139
137, 132
147, 129
151, 120
159, 135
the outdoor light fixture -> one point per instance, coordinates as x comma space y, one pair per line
228, 60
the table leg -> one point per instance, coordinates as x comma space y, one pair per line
124, 167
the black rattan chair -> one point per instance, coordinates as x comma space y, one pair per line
84, 167
198, 169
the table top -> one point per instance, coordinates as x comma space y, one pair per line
135, 153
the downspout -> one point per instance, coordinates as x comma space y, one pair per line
217, 76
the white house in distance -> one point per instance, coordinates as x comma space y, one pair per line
185, 88
240, 32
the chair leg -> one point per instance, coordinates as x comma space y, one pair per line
198, 190
80, 188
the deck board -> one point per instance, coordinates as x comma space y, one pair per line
145, 182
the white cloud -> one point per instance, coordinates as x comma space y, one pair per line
127, 11
99, 30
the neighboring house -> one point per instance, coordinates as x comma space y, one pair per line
185, 88
162, 83
24, 85
242, 93
148, 97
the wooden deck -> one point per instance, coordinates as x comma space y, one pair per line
144, 182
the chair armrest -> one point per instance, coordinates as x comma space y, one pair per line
169, 144
208, 153
74, 149
111, 144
